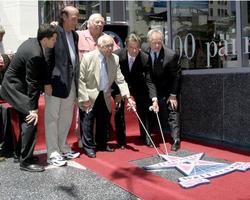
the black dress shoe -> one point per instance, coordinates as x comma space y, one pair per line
122, 147
91, 154
176, 145
107, 148
31, 167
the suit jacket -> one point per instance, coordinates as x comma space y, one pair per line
23, 80
90, 78
168, 73
61, 72
139, 78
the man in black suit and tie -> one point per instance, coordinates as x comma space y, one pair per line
135, 69
21, 87
166, 73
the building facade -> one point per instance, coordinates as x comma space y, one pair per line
212, 39
20, 21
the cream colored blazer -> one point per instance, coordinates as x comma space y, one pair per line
90, 78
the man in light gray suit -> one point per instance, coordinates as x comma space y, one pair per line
98, 70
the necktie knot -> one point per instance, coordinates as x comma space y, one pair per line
155, 56
131, 61
104, 61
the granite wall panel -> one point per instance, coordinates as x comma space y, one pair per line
215, 107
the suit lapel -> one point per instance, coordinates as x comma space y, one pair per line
109, 68
165, 57
96, 64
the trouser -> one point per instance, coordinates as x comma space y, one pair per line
142, 106
27, 139
5, 127
120, 124
58, 119
101, 115
170, 117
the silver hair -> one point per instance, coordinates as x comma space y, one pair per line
104, 39
134, 38
150, 33
93, 17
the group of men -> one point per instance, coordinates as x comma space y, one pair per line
89, 66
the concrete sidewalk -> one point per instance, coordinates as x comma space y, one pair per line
64, 183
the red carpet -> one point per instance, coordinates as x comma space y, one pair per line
117, 168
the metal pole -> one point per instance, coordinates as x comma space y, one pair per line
164, 143
133, 108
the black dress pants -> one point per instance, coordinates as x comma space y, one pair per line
169, 118
101, 115
27, 140
142, 108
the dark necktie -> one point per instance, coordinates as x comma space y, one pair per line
155, 63
155, 59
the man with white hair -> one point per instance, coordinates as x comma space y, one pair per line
88, 38
166, 75
98, 70
88, 42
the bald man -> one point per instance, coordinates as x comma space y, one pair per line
61, 88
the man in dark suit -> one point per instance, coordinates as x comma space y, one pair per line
135, 69
166, 73
99, 69
21, 87
61, 89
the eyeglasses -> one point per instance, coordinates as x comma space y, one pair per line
159, 42
108, 46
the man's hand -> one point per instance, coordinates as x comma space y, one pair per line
54, 23
32, 117
172, 101
131, 104
118, 98
155, 106
48, 90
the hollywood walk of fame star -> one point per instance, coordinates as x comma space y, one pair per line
185, 165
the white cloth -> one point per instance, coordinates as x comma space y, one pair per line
71, 45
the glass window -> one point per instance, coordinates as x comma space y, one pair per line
203, 38
145, 15
246, 33
211, 12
